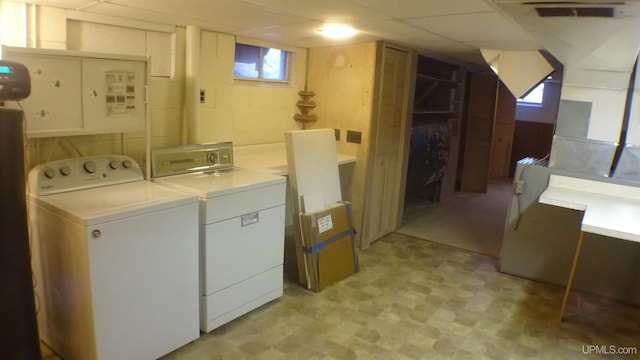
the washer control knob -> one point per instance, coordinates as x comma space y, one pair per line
114, 164
65, 170
50, 173
90, 167
126, 164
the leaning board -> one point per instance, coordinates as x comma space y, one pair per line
312, 161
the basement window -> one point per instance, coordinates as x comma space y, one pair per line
533, 97
260, 63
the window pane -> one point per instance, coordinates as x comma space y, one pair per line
274, 64
246, 62
534, 96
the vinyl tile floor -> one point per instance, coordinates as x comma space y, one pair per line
414, 299
469, 221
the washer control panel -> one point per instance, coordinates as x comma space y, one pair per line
83, 173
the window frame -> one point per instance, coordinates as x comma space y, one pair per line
260, 77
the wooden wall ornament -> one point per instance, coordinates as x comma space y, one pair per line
305, 105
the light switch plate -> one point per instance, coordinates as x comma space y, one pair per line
354, 136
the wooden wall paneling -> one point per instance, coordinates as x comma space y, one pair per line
479, 134
450, 178
348, 82
343, 78
503, 134
530, 139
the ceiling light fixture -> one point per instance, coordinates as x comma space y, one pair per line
337, 31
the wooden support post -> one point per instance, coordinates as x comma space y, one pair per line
573, 270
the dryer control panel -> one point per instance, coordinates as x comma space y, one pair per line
191, 158
83, 173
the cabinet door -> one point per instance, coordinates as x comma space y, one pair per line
385, 194
75, 94
54, 106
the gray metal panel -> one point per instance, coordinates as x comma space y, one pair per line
582, 156
573, 118
540, 240
628, 167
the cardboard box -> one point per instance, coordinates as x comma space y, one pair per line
328, 248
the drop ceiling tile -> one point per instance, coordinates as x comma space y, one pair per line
293, 34
447, 46
473, 27
220, 12
326, 10
506, 45
158, 17
396, 30
408, 9
66, 4
321, 41
302, 35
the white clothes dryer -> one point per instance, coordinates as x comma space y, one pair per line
115, 259
242, 228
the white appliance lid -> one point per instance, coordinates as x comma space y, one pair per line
109, 203
212, 184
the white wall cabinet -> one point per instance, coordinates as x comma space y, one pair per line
76, 93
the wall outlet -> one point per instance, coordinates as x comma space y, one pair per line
519, 186
337, 133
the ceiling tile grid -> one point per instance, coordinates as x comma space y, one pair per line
456, 29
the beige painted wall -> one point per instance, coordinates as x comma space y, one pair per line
245, 112
239, 111
343, 78
234, 110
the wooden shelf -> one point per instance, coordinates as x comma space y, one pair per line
438, 88
434, 112
433, 78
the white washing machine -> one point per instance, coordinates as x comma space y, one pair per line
242, 228
115, 259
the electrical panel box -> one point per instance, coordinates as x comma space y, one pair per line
77, 93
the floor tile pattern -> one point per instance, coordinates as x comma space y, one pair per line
414, 299
469, 221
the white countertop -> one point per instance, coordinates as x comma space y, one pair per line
270, 158
212, 184
609, 209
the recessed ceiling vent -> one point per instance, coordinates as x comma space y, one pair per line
599, 12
